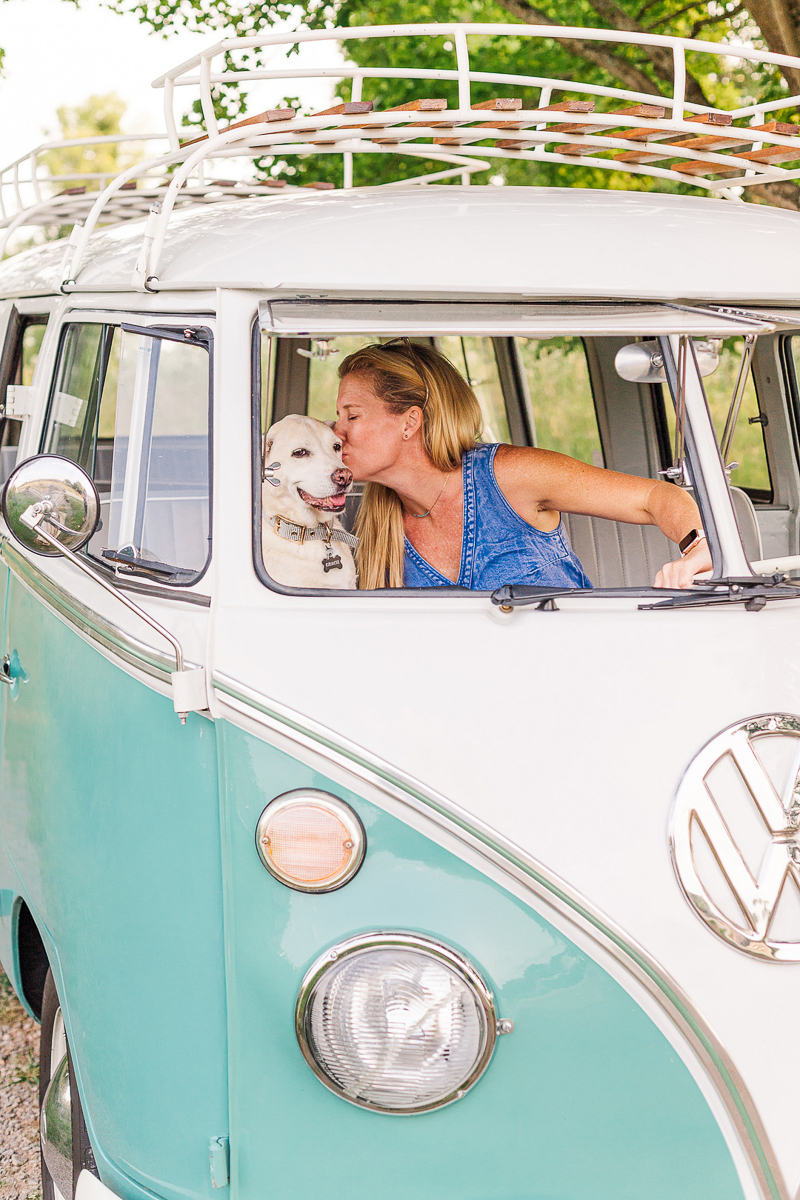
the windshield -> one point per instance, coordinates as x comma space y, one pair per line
559, 394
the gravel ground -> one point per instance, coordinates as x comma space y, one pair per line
19, 1125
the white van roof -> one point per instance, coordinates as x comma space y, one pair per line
456, 241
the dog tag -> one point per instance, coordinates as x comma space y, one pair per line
331, 562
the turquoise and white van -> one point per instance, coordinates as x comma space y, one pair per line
403, 893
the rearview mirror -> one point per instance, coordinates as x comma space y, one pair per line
642, 362
52, 492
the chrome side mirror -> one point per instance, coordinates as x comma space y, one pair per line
642, 362
51, 494
51, 507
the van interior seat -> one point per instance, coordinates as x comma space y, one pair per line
615, 554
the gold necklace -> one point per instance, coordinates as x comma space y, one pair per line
419, 516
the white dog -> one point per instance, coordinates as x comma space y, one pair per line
305, 484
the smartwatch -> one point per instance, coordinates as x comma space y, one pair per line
690, 541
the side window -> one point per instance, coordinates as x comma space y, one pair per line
20, 355
747, 449
475, 358
323, 373
159, 503
81, 418
561, 401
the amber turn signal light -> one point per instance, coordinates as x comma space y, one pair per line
311, 841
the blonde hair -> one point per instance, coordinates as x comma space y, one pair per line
403, 375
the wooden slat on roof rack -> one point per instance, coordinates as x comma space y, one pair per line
348, 109
772, 154
498, 104
423, 105
694, 167
267, 118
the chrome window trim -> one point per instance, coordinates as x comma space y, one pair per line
118, 641
403, 939
550, 888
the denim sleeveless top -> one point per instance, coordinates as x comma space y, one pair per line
498, 546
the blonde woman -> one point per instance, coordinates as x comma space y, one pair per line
439, 509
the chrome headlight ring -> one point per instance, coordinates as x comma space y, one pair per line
396, 1022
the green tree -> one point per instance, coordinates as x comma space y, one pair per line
97, 116
641, 68
770, 24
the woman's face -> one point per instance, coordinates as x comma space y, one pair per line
372, 436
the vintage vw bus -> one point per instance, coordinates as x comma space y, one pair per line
430, 893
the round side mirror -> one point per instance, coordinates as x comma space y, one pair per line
58, 495
642, 362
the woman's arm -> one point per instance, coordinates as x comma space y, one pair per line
540, 484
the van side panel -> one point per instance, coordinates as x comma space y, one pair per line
110, 818
586, 1098
7, 880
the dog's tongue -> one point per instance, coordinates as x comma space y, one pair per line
326, 503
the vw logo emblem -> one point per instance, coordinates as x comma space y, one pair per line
735, 832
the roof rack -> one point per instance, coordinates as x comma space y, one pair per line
31, 196
663, 137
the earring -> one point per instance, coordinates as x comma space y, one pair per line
405, 437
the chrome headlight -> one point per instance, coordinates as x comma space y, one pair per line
396, 1022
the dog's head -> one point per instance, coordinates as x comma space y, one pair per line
305, 456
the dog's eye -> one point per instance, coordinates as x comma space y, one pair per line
300, 453
337, 446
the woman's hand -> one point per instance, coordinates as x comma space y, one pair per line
681, 574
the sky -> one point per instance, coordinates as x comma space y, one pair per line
58, 54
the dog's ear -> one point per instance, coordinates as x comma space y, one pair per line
268, 448
330, 424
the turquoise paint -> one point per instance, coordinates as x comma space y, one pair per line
585, 1098
7, 956
109, 814
6, 953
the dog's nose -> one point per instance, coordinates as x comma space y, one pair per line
342, 477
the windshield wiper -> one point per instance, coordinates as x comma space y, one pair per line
752, 591
512, 595
148, 565
520, 595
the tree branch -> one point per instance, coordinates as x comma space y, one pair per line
595, 52
778, 24
645, 7
679, 13
779, 195
698, 25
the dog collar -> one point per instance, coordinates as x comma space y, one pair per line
294, 532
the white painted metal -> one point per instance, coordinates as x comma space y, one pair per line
186, 75
767, 566
321, 134
410, 243
567, 731
733, 562
298, 317
89, 1187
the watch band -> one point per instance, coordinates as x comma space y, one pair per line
688, 543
